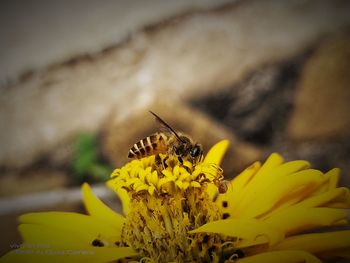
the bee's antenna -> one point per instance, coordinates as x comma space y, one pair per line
166, 126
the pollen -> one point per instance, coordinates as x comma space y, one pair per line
164, 176
167, 200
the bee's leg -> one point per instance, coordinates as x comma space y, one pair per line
180, 159
237, 255
165, 165
201, 157
161, 163
158, 160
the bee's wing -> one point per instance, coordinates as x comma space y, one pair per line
165, 127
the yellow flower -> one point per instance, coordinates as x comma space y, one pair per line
174, 212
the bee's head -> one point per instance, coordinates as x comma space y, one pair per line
196, 152
187, 149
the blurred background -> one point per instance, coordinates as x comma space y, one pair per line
78, 78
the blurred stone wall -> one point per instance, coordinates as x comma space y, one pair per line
38, 33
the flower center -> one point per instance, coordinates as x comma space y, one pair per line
168, 199
158, 227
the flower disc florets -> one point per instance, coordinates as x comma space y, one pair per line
168, 199
165, 176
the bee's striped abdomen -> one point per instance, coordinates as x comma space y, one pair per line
150, 145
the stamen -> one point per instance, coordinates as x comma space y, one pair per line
168, 198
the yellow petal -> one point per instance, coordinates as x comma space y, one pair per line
142, 187
48, 236
53, 255
167, 173
272, 161
216, 153
176, 171
294, 188
164, 181
184, 175
212, 190
96, 208
125, 200
332, 178
142, 175
49, 239
122, 194
317, 242
195, 184
185, 185
74, 222
323, 199
273, 176
179, 184
241, 180
286, 256
235, 189
153, 178
278, 174
188, 164
296, 219
151, 189
247, 229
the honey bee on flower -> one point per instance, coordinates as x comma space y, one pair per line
167, 142
274, 211
171, 144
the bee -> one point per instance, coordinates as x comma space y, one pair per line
168, 142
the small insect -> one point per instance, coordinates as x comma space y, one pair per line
222, 186
168, 142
